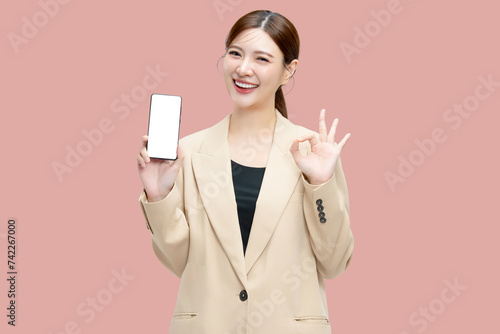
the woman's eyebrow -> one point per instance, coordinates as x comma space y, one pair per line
258, 51
266, 53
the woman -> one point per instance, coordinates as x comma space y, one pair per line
254, 213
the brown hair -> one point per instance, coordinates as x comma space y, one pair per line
283, 33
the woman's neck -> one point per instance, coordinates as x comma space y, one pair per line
250, 136
251, 122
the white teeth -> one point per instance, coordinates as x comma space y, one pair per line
244, 85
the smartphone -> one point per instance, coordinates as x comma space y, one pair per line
164, 125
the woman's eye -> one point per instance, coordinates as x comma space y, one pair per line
234, 53
263, 59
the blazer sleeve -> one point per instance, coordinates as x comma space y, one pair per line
168, 226
326, 210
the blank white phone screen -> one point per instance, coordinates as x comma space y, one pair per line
164, 122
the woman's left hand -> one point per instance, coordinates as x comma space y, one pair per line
319, 165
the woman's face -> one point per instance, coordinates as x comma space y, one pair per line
253, 69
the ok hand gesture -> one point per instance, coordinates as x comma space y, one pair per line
319, 165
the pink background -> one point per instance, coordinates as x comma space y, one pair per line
439, 225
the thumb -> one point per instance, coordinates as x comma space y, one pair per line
180, 155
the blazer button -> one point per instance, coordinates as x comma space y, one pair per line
320, 208
319, 202
243, 295
322, 220
321, 215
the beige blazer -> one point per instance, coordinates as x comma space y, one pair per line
300, 235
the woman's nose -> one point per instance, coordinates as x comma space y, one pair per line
244, 68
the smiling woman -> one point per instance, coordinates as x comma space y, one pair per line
272, 45
253, 216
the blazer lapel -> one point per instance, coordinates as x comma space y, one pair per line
212, 170
279, 181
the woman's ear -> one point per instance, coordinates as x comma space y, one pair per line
290, 71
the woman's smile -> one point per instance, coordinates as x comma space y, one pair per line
244, 87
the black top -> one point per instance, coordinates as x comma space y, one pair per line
247, 181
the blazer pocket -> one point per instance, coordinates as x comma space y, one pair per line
317, 320
185, 315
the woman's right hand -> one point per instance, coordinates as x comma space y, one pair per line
157, 175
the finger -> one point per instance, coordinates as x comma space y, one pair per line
344, 141
294, 149
144, 140
322, 126
180, 155
333, 129
177, 163
311, 137
144, 153
140, 161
